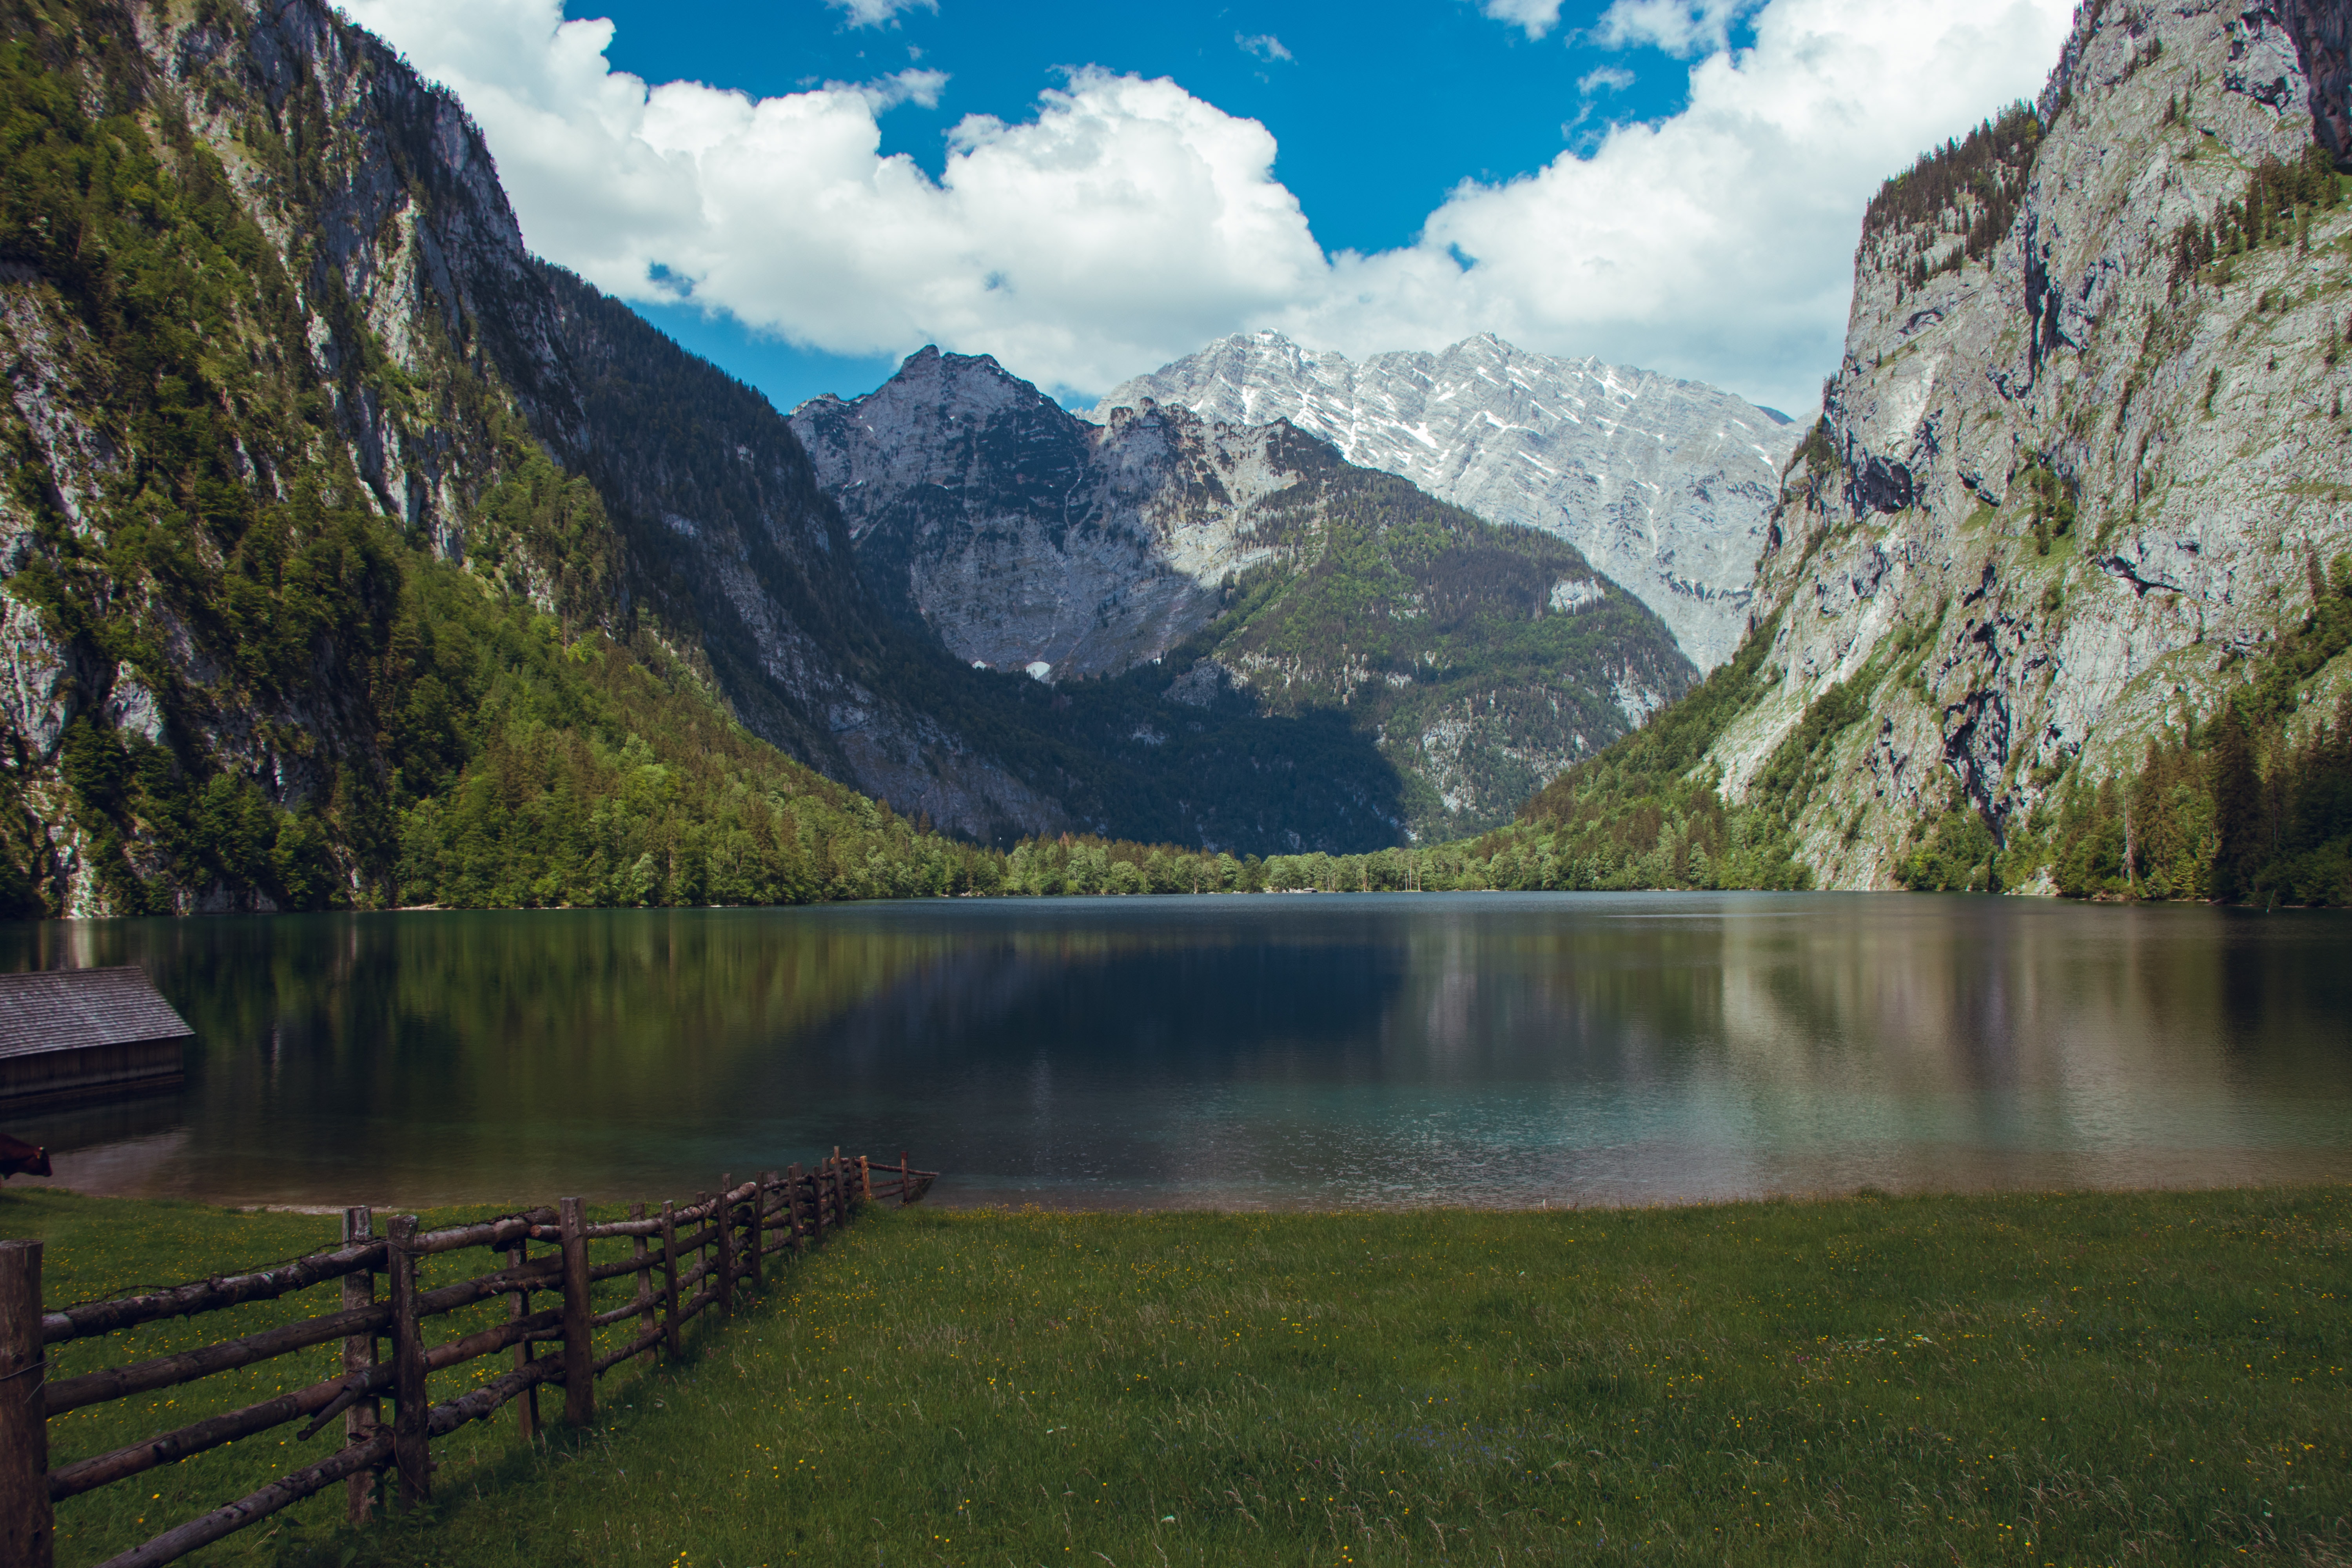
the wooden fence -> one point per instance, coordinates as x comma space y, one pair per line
683, 1260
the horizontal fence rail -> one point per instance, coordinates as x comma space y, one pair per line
684, 1259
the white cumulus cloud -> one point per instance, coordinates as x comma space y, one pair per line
876, 12
1536, 17
1681, 27
1719, 243
910, 85
1126, 222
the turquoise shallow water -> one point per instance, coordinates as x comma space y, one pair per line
1260, 1051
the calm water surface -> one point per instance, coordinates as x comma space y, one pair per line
1492, 1048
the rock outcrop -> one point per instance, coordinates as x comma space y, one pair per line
1664, 485
2322, 31
2062, 491
1024, 538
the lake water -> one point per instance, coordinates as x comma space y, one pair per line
1253, 1051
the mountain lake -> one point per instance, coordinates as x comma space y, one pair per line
1242, 1051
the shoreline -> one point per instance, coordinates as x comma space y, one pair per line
1014, 1207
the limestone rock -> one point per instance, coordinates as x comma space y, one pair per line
2322, 31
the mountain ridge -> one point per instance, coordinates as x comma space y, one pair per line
1663, 484
1177, 557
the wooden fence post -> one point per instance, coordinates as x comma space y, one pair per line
798, 1232
359, 1355
724, 1218
409, 1434
519, 1307
759, 1271
644, 1285
865, 1180
770, 1184
669, 1279
905, 1177
579, 1347
28, 1529
702, 1254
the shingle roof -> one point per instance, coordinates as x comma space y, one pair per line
69, 1009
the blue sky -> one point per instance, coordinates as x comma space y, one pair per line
806, 190
1380, 109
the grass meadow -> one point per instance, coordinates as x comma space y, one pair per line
2103, 1378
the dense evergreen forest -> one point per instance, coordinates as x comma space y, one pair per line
1969, 187
2252, 805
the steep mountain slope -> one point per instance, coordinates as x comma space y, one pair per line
2078, 510
1246, 569
1664, 485
272, 343
1024, 537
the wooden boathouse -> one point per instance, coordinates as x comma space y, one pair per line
86, 1032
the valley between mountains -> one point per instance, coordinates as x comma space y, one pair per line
355, 557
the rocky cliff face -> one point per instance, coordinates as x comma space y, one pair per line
722, 530
2061, 492
2322, 31
1028, 539
1664, 485
1206, 563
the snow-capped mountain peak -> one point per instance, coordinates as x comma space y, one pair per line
1664, 485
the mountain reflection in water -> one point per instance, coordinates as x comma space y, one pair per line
1281, 1051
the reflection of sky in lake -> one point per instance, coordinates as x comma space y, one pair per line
1488, 1049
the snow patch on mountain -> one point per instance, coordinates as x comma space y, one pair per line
1664, 485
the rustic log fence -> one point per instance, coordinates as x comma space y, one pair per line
685, 1259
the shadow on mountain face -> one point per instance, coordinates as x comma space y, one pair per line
1129, 761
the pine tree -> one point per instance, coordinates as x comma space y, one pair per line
2237, 809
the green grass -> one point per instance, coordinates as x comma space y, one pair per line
2142, 1377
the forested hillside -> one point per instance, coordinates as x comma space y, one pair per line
249, 661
